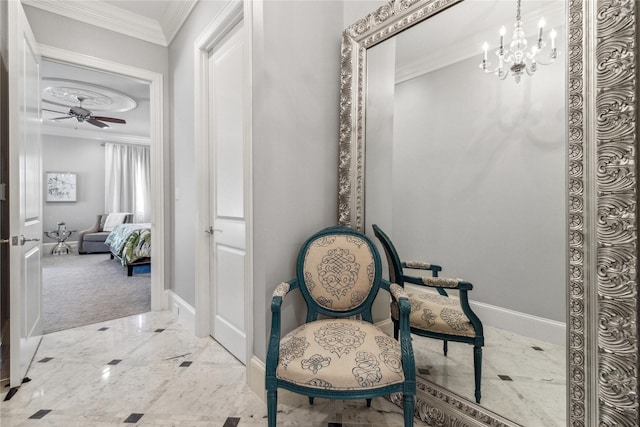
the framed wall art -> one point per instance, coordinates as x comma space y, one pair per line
61, 187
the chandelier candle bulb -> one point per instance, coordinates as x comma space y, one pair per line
516, 58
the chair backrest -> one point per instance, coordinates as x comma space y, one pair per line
395, 266
339, 273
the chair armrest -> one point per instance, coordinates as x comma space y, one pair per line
273, 349
404, 307
439, 282
418, 265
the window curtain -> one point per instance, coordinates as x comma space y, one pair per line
128, 180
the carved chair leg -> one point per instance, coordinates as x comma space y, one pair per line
272, 407
408, 405
477, 367
368, 403
445, 348
311, 400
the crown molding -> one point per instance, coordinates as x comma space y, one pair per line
113, 18
174, 16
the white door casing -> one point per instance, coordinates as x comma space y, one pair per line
227, 186
25, 194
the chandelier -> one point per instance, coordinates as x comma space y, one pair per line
515, 58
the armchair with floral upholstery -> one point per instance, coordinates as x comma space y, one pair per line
343, 355
436, 315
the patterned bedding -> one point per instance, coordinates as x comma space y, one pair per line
130, 242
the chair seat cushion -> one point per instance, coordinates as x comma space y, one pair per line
318, 354
437, 313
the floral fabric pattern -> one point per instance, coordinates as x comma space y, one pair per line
367, 372
338, 271
315, 363
339, 338
319, 353
292, 349
437, 313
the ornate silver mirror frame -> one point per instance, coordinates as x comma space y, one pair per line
602, 345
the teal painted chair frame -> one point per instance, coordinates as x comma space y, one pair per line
407, 388
396, 275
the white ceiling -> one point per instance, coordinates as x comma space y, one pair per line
155, 21
137, 128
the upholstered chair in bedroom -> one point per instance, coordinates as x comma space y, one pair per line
92, 239
343, 355
436, 315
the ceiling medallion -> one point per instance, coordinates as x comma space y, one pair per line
65, 93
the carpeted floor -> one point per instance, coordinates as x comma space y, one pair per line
79, 290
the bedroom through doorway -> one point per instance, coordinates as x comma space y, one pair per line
97, 167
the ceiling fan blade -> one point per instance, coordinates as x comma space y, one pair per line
95, 122
61, 118
110, 119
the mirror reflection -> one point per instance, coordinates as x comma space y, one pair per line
468, 171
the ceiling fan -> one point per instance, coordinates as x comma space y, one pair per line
83, 115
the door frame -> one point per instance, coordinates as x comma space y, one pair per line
232, 14
158, 148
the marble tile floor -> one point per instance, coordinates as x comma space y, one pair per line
523, 379
147, 370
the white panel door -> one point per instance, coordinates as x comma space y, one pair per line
25, 200
227, 172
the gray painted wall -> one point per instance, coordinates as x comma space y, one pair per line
295, 143
479, 176
181, 85
86, 159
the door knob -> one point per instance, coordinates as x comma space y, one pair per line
5, 240
23, 240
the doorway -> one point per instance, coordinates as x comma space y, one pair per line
121, 79
113, 140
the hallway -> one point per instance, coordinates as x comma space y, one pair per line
148, 370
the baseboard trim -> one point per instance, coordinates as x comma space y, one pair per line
524, 324
184, 312
256, 371
535, 327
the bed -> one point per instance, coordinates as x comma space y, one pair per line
131, 245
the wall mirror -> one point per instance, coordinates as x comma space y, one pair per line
519, 188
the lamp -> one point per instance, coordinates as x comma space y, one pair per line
516, 58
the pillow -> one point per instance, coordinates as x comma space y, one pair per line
112, 220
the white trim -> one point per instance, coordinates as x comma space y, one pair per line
184, 312
158, 146
106, 16
256, 371
175, 16
524, 324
